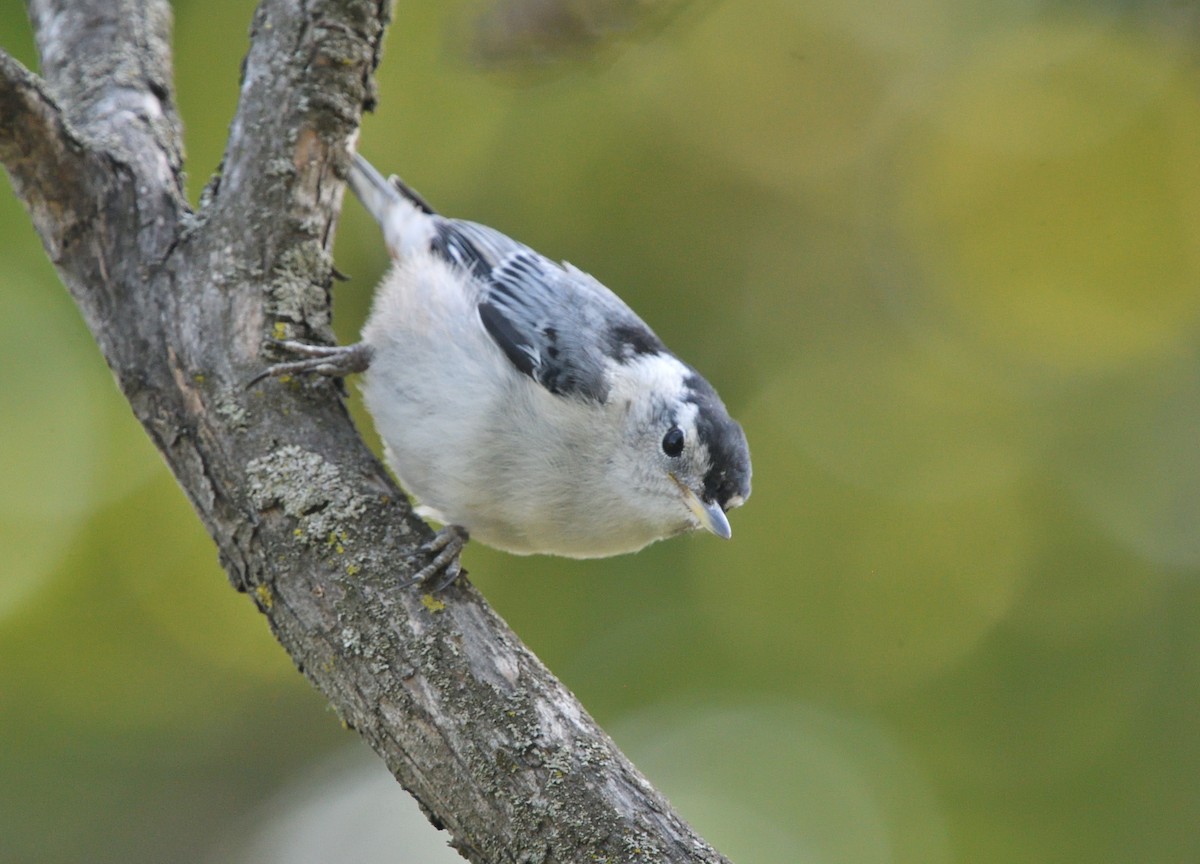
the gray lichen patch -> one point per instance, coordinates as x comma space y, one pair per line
229, 408
297, 289
309, 489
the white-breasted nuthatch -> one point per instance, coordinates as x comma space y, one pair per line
522, 402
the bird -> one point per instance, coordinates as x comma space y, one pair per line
521, 402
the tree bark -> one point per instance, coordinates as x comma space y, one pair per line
183, 303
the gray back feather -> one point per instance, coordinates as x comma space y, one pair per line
554, 322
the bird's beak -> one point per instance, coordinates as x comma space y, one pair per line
712, 517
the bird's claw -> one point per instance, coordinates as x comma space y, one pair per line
446, 545
332, 361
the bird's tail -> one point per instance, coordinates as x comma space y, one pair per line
404, 216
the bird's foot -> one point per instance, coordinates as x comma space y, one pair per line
445, 547
333, 361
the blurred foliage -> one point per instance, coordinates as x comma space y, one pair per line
525, 38
942, 259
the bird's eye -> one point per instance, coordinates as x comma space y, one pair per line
672, 443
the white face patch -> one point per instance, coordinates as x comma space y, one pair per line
685, 418
657, 388
662, 375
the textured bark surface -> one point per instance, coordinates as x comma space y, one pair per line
306, 520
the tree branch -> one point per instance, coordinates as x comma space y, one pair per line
44, 158
305, 519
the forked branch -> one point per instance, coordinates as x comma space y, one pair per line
306, 521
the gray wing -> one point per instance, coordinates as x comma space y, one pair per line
554, 322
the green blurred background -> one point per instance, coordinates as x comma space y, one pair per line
942, 259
